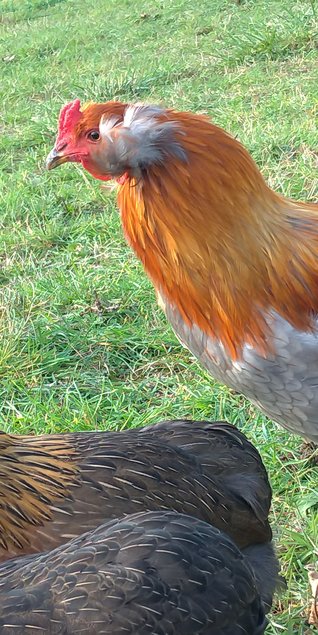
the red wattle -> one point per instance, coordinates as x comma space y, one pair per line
123, 178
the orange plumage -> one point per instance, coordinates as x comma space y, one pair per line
201, 231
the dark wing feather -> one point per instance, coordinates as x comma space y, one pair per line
206, 470
225, 452
149, 574
130, 472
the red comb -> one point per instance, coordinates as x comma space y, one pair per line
69, 116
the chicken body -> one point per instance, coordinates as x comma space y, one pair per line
234, 263
56, 487
149, 573
284, 384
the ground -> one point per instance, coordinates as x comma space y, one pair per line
82, 342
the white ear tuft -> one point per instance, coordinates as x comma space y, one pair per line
140, 140
107, 123
141, 111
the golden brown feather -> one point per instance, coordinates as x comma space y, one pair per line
36, 473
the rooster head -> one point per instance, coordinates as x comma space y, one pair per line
114, 140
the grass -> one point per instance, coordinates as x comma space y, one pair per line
82, 342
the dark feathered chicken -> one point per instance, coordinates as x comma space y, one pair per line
157, 573
54, 488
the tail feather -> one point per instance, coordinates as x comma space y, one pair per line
263, 560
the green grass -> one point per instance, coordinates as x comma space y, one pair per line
83, 344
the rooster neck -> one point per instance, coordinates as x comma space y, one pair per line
224, 262
34, 475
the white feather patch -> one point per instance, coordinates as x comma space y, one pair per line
140, 140
107, 124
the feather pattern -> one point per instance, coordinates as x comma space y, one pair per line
35, 474
158, 573
284, 385
53, 488
139, 140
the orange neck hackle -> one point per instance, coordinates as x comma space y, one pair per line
218, 244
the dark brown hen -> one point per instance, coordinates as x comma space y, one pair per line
157, 573
54, 488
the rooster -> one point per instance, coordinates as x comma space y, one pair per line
149, 573
55, 487
234, 264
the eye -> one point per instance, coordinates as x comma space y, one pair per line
93, 135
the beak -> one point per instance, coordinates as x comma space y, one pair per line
55, 158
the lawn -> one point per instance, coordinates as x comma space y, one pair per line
83, 344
